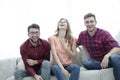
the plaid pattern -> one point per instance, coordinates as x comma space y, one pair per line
99, 44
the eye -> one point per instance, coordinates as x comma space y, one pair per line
91, 21
87, 22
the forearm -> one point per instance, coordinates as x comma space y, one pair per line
114, 51
57, 60
70, 53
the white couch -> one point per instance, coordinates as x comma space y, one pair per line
8, 67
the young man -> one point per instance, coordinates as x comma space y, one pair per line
102, 47
35, 53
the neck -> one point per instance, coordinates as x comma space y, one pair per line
33, 43
62, 33
91, 33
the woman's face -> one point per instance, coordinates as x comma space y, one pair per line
62, 24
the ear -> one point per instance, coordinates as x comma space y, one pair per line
96, 22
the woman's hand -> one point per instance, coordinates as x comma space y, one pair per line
65, 72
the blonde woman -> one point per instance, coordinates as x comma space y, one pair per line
63, 47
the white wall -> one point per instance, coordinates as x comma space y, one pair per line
16, 15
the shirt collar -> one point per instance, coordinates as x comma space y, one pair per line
39, 43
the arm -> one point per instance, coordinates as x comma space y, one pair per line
54, 53
114, 49
28, 68
71, 52
46, 55
105, 61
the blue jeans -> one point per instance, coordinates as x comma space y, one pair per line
114, 62
73, 69
44, 71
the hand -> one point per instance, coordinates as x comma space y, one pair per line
64, 44
38, 77
65, 72
31, 62
105, 61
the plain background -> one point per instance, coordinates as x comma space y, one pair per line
17, 15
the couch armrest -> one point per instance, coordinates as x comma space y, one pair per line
84, 53
7, 68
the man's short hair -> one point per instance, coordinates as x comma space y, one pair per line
89, 15
33, 26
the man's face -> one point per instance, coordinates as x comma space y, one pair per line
34, 34
90, 24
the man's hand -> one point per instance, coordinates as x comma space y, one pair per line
31, 62
38, 77
105, 61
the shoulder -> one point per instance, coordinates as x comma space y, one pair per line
83, 32
51, 38
103, 32
24, 44
44, 41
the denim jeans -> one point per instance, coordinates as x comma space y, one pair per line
114, 62
44, 71
73, 69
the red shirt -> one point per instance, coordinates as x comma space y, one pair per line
99, 44
40, 52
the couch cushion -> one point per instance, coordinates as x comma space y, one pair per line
26, 78
89, 75
107, 74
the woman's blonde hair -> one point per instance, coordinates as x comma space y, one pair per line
68, 35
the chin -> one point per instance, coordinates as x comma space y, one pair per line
34, 41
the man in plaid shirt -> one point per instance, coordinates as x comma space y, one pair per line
104, 50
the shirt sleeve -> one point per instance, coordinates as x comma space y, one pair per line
78, 41
110, 40
28, 68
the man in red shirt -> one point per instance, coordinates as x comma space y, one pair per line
104, 50
35, 53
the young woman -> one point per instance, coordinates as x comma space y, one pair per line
63, 47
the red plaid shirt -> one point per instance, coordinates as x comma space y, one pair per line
99, 44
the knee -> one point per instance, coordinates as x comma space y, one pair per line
115, 58
55, 68
76, 67
45, 64
17, 73
86, 63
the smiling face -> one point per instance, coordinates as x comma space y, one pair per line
34, 34
63, 27
90, 24
63, 24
